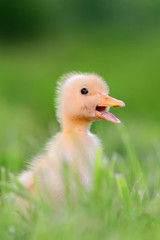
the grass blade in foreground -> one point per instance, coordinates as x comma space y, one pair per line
132, 156
124, 193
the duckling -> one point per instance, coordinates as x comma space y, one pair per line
81, 99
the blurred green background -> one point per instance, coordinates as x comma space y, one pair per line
41, 40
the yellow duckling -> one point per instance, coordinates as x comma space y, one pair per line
82, 99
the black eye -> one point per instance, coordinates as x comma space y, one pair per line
84, 91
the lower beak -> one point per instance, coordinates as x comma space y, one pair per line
106, 101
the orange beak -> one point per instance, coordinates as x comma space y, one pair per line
106, 101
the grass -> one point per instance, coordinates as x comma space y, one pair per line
124, 202
113, 209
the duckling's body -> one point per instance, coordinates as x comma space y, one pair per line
65, 149
82, 98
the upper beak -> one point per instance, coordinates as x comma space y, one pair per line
106, 101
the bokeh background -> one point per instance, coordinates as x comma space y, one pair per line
41, 40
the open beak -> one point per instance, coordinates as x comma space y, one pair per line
106, 101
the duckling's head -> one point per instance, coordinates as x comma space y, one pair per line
83, 98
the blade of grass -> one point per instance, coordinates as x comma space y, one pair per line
124, 193
132, 156
3, 187
97, 177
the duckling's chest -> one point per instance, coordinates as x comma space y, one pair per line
78, 152
80, 155
79, 148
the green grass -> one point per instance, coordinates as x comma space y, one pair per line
124, 202
115, 208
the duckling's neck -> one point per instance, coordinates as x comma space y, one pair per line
76, 125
